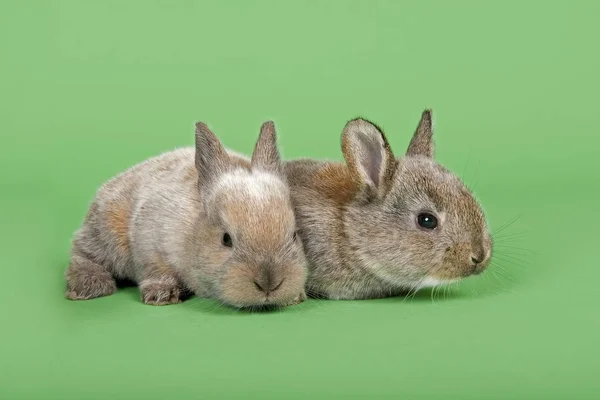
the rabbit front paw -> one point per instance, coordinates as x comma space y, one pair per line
160, 293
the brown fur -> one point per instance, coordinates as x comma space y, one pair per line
118, 222
337, 183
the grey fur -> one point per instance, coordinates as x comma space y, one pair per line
358, 220
161, 224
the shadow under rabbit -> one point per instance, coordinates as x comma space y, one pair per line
212, 306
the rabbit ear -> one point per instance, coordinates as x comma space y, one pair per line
421, 143
211, 157
369, 156
266, 154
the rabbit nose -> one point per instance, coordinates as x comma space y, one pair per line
268, 283
478, 262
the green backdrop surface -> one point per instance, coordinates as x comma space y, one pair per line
90, 88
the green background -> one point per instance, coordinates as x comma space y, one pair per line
90, 88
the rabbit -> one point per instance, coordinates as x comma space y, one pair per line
379, 226
204, 221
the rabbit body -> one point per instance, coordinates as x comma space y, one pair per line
378, 226
202, 219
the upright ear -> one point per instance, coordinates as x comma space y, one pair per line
212, 159
421, 143
266, 154
368, 156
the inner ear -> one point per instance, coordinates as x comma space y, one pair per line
372, 158
368, 155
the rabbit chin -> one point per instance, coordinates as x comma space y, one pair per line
433, 282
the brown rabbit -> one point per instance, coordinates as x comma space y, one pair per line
206, 220
378, 226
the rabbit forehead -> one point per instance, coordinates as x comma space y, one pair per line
250, 185
255, 204
263, 228
422, 182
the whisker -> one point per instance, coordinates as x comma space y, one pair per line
412, 292
510, 247
474, 179
506, 252
438, 292
409, 295
504, 273
507, 235
507, 258
507, 224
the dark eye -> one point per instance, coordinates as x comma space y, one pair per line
227, 241
295, 236
427, 221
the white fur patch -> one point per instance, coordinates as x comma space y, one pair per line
432, 282
257, 184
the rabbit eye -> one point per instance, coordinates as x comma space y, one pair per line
427, 221
227, 241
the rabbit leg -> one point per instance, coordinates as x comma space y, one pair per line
160, 286
87, 279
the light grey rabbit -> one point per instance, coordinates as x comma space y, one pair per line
205, 220
377, 225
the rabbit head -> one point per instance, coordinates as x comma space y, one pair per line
250, 233
413, 223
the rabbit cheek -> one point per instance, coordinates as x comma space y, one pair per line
293, 280
237, 287
455, 264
